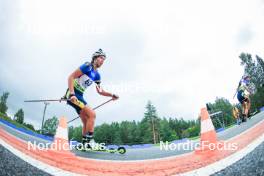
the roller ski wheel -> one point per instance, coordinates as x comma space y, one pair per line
121, 150
244, 118
87, 148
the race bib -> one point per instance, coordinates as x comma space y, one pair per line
84, 81
246, 93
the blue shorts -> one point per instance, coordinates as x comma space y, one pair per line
80, 98
240, 96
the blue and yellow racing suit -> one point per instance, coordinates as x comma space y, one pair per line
243, 93
82, 83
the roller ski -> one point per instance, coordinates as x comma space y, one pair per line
244, 118
90, 145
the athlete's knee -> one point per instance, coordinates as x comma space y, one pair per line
249, 101
92, 114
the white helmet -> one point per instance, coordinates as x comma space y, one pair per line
98, 53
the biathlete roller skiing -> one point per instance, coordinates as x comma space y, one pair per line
243, 93
78, 82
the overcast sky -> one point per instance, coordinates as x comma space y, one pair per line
178, 54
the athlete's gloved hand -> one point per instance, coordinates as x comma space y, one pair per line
115, 97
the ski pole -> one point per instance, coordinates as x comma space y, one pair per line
93, 109
34, 101
234, 95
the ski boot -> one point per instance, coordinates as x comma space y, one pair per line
244, 117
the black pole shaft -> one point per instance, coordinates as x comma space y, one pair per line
34, 101
44, 112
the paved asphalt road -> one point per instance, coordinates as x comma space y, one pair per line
251, 164
147, 153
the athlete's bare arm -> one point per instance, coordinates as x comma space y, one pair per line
104, 93
77, 73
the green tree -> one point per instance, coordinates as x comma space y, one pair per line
134, 132
226, 118
19, 116
166, 133
129, 132
50, 126
30, 126
125, 132
116, 137
70, 132
191, 131
249, 65
150, 124
77, 134
255, 68
3, 101
260, 71
103, 133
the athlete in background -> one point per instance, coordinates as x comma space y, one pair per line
243, 93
